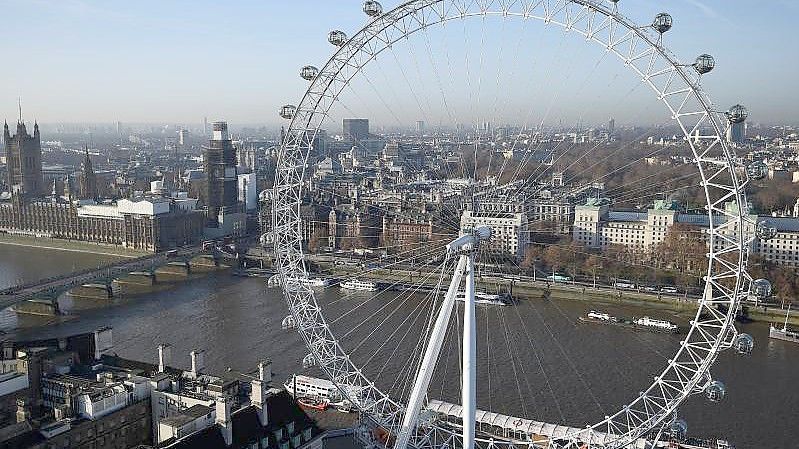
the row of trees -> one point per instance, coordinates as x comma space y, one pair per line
679, 260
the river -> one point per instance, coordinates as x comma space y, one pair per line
540, 361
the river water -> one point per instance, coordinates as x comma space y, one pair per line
540, 362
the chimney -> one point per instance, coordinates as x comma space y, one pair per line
223, 418
103, 342
164, 357
258, 400
265, 371
197, 362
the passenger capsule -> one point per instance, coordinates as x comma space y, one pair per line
737, 114
309, 361
744, 344
757, 170
372, 8
761, 288
678, 429
309, 72
765, 231
704, 64
337, 38
288, 111
715, 391
663, 22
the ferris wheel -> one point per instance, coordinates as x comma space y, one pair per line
409, 416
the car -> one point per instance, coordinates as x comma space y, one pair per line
669, 290
651, 288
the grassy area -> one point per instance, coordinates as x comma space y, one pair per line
69, 245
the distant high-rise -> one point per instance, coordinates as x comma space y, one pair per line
24, 161
736, 133
356, 128
205, 126
612, 126
87, 179
183, 137
420, 127
220, 171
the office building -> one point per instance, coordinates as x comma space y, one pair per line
509, 231
356, 129
220, 172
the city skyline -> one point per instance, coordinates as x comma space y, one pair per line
151, 66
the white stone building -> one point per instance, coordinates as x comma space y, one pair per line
509, 230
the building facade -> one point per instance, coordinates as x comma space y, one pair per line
509, 231
149, 224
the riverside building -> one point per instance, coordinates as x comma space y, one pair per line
596, 225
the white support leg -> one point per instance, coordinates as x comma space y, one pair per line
469, 371
430, 359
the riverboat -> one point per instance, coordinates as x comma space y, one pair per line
644, 323
316, 282
660, 325
784, 333
312, 403
485, 299
359, 285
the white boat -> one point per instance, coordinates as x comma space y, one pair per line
359, 285
601, 316
314, 387
784, 334
484, 298
316, 282
667, 326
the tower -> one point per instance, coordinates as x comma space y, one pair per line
24, 161
87, 182
220, 171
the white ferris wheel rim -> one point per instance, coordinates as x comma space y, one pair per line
639, 49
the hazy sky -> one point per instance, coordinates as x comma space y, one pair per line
178, 61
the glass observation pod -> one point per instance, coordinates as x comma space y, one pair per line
337, 38
737, 114
757, 170
663, 22
761, 288
704, 64
765, 231
288, 111
716, 391
309, 72
372, 8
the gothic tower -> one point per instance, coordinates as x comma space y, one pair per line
87, 180
24, 161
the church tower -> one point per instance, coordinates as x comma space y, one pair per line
24, 161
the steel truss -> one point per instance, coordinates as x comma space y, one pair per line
674, 83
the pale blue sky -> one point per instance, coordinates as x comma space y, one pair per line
178, 61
